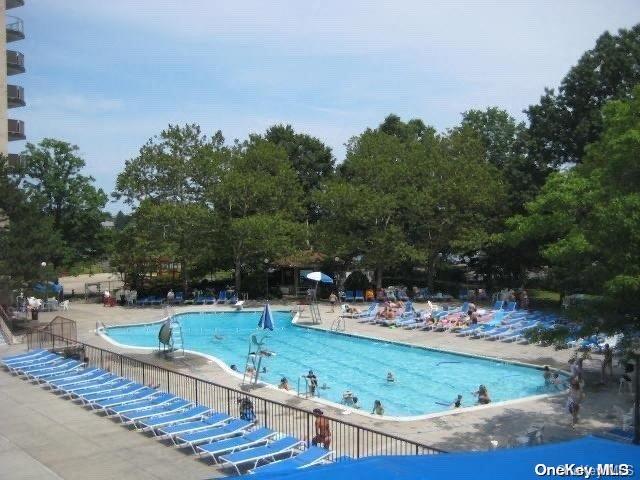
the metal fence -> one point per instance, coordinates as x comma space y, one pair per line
348, 439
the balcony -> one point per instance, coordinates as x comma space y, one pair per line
15, 160
15, 129
9, 4
15, 96
15, 62
15, 29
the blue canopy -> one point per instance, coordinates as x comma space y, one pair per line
502, 464
50, 287
266, 319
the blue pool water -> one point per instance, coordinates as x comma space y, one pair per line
425, 378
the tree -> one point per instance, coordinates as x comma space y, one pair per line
406, 197
562, 124
174, 166
258, 205
165, 230
310, 158
26, 236
586, 220
52, 178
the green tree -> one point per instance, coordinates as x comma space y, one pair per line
562, 124
586, 220
258, 205
27, 237
52, 178
174, 166
310, 158
171, 182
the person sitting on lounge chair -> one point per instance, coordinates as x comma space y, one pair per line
354, 310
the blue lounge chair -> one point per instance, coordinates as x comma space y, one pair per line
50, 369
89, 374
134, 416
511, 306
30, 353
251, 439
208, 435
86, 376
89, 388
109, 393
307, 458
359, 295
348, 296
185, 427
25, 357
222, 296
38, 360
253, 456
107, 405
153, 423
119, 406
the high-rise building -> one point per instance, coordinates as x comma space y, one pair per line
14, 65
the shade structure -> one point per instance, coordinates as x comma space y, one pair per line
50, 287
320, 277
266, 319
502, 464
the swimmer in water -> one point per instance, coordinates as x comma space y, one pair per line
324, 386
390, 377
457, 403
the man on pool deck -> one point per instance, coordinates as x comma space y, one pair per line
323, 432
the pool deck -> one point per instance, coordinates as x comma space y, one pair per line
467, 429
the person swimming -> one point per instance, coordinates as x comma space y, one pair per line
457, 403
378, 409
391, 377
234, 368
324, 386
284, 384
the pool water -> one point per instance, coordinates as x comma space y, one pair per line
425, 379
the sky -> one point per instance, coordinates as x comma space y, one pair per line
109, 75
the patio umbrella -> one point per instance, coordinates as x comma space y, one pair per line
266, 319
319, 277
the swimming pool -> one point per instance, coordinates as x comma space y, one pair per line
426, 380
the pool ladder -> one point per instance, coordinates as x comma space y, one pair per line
338, 325
178, 341
306, 386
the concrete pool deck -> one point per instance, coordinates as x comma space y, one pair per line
465, 430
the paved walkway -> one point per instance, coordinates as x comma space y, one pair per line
43, 437
464, 430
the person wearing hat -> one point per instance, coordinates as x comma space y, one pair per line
323, 431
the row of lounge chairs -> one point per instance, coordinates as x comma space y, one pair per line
503, 322
224, 297
230, 442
